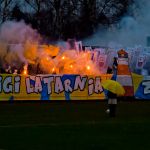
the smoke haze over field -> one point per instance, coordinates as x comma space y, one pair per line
130, 31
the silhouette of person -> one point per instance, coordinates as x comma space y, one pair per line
115, 65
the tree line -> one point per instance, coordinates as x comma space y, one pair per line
62, 19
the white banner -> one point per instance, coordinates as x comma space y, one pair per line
78, 46
102, 51
88, 48
140, 62
102, 63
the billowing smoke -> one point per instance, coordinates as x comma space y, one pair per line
15, 33
130, 34
20, 48
17, 41
130, 31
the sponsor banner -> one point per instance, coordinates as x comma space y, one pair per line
51, 87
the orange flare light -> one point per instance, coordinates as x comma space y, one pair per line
88, 67
63, 57
53, 69
25, 72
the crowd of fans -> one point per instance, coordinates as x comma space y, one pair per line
11, 69
8, 69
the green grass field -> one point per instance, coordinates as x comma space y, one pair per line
78, 125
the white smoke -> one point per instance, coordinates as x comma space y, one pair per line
15, 38
130, 31
17, 32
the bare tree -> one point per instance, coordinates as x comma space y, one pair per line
61, 12
112, 10
36, 5
65, 18
5, 9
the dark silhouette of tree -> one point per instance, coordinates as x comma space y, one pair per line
88, 18
62, 19
5, 9
17, 14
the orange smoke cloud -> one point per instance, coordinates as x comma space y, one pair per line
19, 45
67, 62
30, 52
